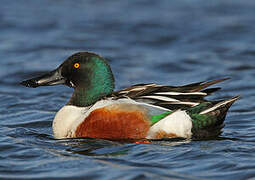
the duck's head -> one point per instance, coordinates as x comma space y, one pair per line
88, 73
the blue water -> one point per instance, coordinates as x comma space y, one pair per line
168, 42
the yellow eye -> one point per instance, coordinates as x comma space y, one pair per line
76, 65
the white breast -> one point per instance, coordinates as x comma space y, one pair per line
64, 120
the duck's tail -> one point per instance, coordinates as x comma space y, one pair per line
208, 118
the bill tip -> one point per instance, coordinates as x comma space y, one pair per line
29, 83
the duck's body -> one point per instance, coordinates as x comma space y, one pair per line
117, 119
128, 119
144, 111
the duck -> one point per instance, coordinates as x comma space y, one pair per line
143, 111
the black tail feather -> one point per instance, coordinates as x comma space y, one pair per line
214, 129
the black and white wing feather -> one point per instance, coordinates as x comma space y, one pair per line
171, 97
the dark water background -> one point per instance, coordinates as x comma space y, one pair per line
168, 42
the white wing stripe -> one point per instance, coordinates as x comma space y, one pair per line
180, 93
161, 98
134, 89
171, 100
217, 106
187, 103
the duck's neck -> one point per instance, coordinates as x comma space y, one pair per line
86, 97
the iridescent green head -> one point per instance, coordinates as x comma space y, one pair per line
88, 73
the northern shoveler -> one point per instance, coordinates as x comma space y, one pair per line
142, 111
